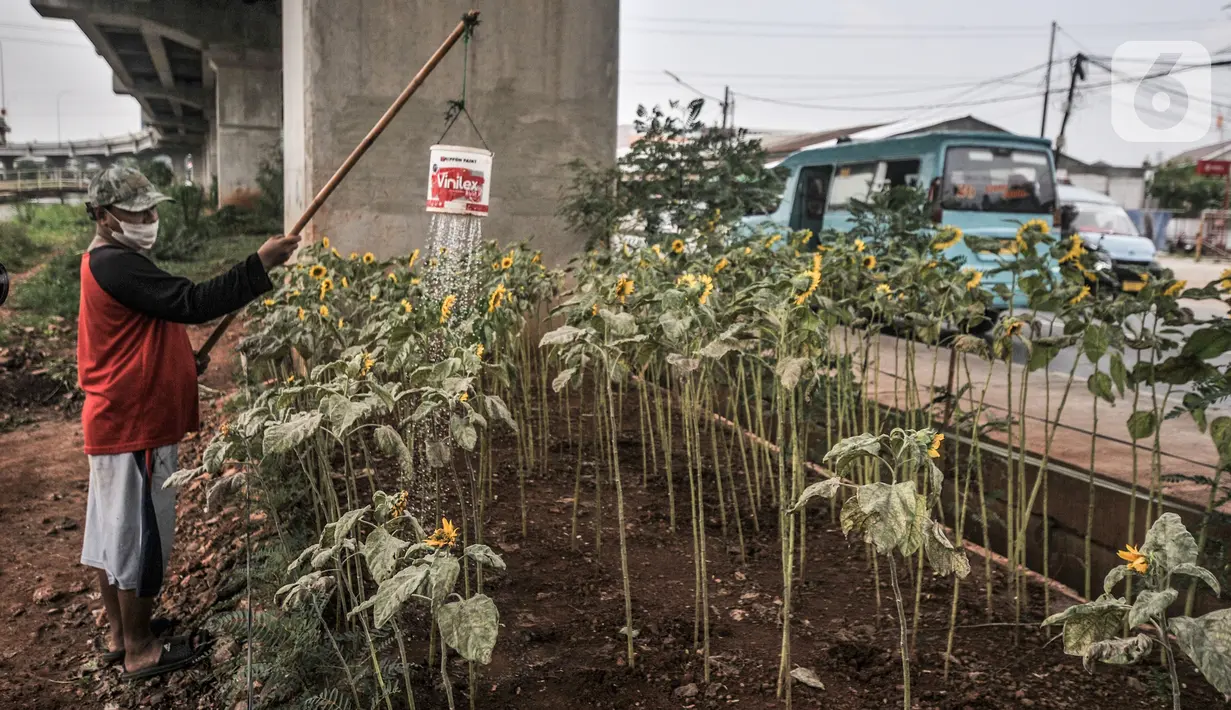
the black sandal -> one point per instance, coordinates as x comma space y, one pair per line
178, 653
158, 627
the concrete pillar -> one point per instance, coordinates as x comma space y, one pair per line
542, 88
6, 164
247, 118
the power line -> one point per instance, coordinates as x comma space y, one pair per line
946, 28
39, 28
692, 88
31, 40
841, 35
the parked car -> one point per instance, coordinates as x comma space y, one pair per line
1106, 229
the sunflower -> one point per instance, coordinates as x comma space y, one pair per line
414, 282
406, 307
372, 298
538, 257
869, 262
497, 298
506, 263
290, 379
976, 277
860, 246
341, 323
324, 242
658, 251
947, 237
414, 256
1035, 224
318, 271
772, 241
816, 263
324, 311
747, 251
1225, 281
463, 397
934, 447
883, 288
594, 309
1081, 296
479, 350
444, 536
296, 293
815, 277
326, 287
393, 277
397, 505
1014, 327
1076, 250
930, 265
722, 264
1175, 288
446, 308
335, 253
686, 280
624, 288
1137, 562
354, 255
302, 314
708, 281
677, 246
368, 363
269, 302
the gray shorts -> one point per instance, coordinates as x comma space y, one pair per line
130, 519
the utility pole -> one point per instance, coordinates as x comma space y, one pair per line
726, 107
1079, 72
1051, 53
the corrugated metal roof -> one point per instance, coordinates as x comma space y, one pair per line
1216, 151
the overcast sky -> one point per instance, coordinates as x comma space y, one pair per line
877, 61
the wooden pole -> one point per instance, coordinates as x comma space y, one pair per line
468, 20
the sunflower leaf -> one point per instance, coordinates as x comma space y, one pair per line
1150, 605
1169, 544
470, 626
1207, 641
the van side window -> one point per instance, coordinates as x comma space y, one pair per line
902, 173
851, 182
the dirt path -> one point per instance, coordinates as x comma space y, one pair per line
47, 599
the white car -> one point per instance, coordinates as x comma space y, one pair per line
1105, 228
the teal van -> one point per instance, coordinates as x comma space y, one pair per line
986, 184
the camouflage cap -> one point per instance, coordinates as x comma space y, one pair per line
123, 187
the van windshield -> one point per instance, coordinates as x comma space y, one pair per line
1104, 219
998, 180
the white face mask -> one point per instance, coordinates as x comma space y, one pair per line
136, 236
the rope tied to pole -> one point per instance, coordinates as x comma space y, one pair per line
457, 107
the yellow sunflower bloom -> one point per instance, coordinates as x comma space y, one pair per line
406, 307
444, 536
479, 350
1137, 562
708, 282
302, 314
934, 447
1081, 296
883, 288
269, 302
947, 237
1175, 288
296, 293
354, 255
747, 251
976, 277
317, 271
341, 323
335, 253
722, 264
538, 257
1014, 327
869, 262
446, 308
393, 277
369, 258
414, 256
324, 242
463, 397
324, 311
496, 298
624, 288
677, 246
860, 246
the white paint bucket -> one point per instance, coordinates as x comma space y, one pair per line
459, 180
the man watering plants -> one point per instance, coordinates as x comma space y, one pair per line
139, 375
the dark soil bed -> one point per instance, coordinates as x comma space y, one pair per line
561, 612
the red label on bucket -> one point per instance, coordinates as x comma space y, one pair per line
458, 182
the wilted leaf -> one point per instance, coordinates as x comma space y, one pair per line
942, 556
827, 488
395, 591
284, 436
889, 513
1207, 641
1150, 605
684, 364
852, 448
971, 344
621, 325
674, 328
1117, 651
381, 551
463, 432
304, 589
1089, 623
790, 370
222, 488
484, 555
808, 678
438, 454
1114, 577
343, 412
182, 476
215, 456
562, 379
390, 443
470, 626
717, 349
1200, 573
497, 409
1169, 544
442, 576
337, 531
563, 335
1142, 424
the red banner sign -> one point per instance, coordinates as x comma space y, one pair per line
1214, 168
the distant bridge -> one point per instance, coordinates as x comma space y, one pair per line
42, 184
103, 151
